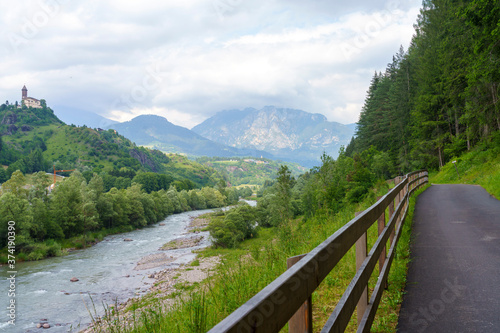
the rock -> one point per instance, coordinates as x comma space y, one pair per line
127, 239
11, 129
143, 159
162, 224
38, 325
127, 275
9, 118
26, 128
74, 279
46, 325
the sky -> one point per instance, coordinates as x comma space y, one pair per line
186, 60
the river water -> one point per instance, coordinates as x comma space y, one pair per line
105, 271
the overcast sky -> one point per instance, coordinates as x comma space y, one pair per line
188, 59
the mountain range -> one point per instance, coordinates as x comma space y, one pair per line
288, 134
271, 132
157, 132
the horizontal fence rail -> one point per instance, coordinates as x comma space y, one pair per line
276, 304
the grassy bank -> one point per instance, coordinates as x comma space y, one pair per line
246, 270
481, 166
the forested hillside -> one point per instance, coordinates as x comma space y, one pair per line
440, 97
36, 140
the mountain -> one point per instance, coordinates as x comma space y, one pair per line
80, 117
158, 132
288, 134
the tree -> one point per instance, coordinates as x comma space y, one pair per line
15, 207
238, 224
89, 216
15, 185
284, 186
41, 182
66, 204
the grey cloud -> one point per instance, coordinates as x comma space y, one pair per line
95, 53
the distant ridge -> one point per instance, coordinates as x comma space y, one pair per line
71, 115
156, 131
288, 134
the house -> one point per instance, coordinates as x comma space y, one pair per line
29, 101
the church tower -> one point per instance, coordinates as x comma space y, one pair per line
25, 92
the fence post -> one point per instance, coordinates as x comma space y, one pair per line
360, 257
381, 226
301, 321
393, 204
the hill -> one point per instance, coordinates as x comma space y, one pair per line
248, 171
36, 140
288, 134
158, 133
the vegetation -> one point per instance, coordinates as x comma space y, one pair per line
441, 97
433, 103
479, 166
255, 262
248, 171
75, 208
35, 140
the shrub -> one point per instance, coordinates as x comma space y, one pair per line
239, 224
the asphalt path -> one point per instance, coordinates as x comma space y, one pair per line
454, 274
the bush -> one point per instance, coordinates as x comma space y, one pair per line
238, 224
54, 249
356, 194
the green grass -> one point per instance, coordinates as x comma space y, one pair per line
246, 270
480, 166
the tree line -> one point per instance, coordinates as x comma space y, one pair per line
439, 98
75, 207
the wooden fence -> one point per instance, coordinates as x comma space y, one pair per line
289, 295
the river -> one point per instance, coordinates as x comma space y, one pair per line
105, 271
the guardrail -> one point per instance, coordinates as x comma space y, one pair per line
278, 302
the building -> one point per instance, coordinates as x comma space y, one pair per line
29, 101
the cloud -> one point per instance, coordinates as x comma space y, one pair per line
186, 60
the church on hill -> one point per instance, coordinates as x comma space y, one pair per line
29, 101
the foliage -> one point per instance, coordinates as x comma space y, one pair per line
256, 262
77, 207
237, 225
480, 166
248, 171
440, 97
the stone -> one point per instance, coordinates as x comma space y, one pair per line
127, 239
46, 325
38, 325
74, 279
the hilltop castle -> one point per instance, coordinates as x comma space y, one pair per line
29, 101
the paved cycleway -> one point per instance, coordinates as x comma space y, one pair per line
454, 274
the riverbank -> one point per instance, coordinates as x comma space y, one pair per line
247, 269
171, 284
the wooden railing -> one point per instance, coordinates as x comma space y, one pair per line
276, 304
